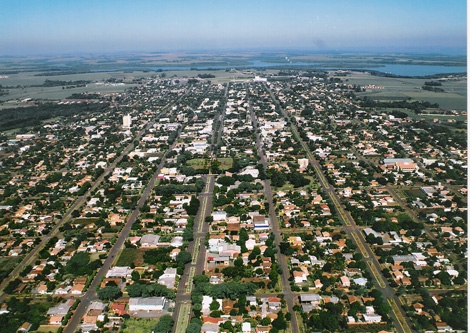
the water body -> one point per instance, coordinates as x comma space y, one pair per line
395, 69
419, 70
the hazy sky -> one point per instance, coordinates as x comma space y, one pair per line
63, 26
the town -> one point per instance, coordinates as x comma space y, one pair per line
283, 201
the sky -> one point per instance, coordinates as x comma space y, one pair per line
29, 27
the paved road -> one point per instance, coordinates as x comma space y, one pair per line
289, 296
197, 246
401, 321
90, 294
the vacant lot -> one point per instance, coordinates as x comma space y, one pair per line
130, 255
198, 163
139, 325
414, 193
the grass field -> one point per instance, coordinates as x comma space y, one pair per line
414, 193
47, 328
225, 163
139, 325
130, 255
200, 163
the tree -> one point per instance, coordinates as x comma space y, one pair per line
78, 264
265, 321
135, 276
109, 293
183, 258
193, 328
164, 325
280, 322
214, 305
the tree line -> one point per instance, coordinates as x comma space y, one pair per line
32, 116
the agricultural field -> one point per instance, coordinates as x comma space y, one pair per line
389, 88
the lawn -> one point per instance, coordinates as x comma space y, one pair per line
130, 255
132, 325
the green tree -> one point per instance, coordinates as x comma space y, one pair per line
109, 293
164, 325
183, 258
214, 305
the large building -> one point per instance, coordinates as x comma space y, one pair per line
126, 121
146, 304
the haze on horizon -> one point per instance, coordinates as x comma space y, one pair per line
32, 27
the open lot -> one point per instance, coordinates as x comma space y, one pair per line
138, 325
130, 255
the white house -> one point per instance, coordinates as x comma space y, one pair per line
372, 318
219, 215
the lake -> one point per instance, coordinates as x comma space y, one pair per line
395, 69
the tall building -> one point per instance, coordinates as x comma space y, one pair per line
127, 121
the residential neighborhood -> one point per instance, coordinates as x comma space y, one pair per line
287, 202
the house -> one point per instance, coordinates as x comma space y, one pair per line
119, 272
118, 309
442, 327
61, 309
77, 289
210, 328
260, 222
147, 303
56, 320
418, 307
345, 282
168, 279
149, 241
246, 327
219, 215
24, 328
309, 301
300, 276
372, 318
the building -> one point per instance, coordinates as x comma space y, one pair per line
126, 121
149, 241
147, 303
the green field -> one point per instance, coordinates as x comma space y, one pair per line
139, 325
